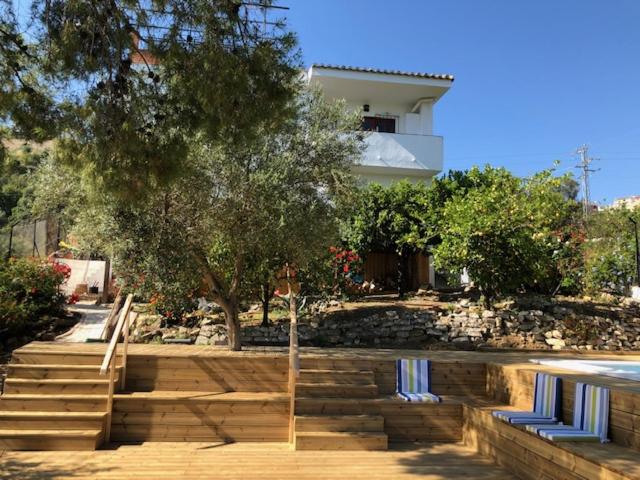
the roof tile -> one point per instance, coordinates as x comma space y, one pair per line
434, 76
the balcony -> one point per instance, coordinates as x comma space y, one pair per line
397, 155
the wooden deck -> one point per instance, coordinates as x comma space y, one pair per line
194, 394
266, 461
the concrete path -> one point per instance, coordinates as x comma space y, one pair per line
90, 325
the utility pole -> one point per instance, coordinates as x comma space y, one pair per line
585, 166
635, 230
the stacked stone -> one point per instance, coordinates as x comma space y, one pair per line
549, 327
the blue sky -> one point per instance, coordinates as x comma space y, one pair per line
534, 79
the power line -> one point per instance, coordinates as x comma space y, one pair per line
585, 166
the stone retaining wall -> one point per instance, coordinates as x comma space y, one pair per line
552, 327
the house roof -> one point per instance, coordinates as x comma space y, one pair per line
434, 76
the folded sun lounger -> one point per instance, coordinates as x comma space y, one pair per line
547, 403
413, 381
590, 418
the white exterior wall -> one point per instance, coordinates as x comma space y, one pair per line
412, 152
90, 272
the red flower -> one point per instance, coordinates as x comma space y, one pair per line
73, 298
345, 268
62, 268
34, 290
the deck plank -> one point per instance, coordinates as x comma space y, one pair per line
266, 461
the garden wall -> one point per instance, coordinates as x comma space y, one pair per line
550, 326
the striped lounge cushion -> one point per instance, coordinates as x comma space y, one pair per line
590, 418
547, 403
413, 381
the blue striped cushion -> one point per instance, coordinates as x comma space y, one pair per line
547, 403
590, 418
420, 397
413, 380
561, 433
523, 418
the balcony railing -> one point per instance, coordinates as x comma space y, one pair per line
403, 151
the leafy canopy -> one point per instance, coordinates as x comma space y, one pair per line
504, 231
389, 219
127, 85
610, 252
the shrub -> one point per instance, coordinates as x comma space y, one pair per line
505, 232
610, 257
29, 288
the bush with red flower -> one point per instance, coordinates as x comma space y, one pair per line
347, 266
30, 288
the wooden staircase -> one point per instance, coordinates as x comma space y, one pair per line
316, 430
52, 403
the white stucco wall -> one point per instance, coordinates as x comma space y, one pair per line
90, 272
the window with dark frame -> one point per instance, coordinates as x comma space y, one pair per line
379, 124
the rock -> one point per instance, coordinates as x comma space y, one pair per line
461, 340
556, 334
555, 342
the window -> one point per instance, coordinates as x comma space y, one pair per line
379, 124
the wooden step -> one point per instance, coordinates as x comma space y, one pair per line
50, 439
339, 423
20, 420
56, 386
53, 403
350, 377
340, 441
52, 371
35, 356
336, 390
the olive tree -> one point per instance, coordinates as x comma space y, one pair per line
237, 206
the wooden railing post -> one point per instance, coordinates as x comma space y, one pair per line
293, 335
110, 364
112, 381
123, 371
294, 359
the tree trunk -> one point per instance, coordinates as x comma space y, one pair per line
488, 295
107, 280
232, 320
266, 296
227, 298
402, 274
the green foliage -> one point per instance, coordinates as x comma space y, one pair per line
16, 187
130, 96
29, 288
389, 218
505, 231
610, 260
240, 210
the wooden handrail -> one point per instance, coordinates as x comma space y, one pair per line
294, 362
109, 363
112, 314
113, 344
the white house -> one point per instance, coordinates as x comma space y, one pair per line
397, 107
